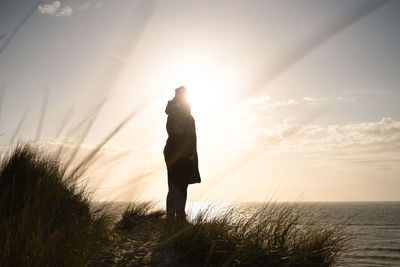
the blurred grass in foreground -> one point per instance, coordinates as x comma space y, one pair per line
46, 219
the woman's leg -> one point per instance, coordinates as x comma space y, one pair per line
171, 201
181, 197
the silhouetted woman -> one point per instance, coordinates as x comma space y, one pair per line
180, 154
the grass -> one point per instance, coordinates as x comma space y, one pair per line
273, 235
45, 218
135, 213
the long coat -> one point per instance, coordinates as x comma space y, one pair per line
181, 144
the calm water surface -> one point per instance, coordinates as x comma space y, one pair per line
374, 227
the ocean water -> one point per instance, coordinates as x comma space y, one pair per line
374, 228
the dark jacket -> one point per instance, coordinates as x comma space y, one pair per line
181, 144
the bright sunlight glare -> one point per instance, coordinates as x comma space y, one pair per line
209, 88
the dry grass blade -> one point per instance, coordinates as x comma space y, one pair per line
42, 114
130, 188
22, 22
88, 122
320, 38
64, 121
2, 93
19, 126
82, 167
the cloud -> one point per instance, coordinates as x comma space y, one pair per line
64, 11
85, 6
352, 138
267, 102
319, 100
313, 99
290, 120
55, 9
341, 98
49, 8
386, 130
99, 5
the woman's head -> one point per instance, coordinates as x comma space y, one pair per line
181, 92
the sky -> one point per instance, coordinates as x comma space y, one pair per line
292, 99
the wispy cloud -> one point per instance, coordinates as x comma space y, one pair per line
64, 11
55, 9
267, 102
341, 98
361, 137
314, 99
99, 5
49, 8
321, 100
85, 6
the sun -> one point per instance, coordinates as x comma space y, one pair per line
209, 89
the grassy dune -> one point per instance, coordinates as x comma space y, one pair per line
275, 235
47, 220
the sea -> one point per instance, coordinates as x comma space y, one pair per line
373, 228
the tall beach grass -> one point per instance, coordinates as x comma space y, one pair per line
272, 235
46, 219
